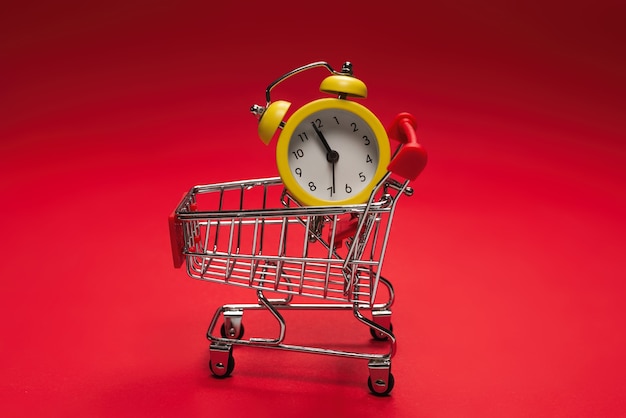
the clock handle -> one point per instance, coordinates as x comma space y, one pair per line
410, 158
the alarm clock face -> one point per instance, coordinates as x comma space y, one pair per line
332, 152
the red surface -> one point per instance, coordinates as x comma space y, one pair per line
508, 261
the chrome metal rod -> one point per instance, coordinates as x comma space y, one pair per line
294, 72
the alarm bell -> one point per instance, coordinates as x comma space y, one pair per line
270, 118
344, 85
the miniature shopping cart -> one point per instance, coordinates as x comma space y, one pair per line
253, 234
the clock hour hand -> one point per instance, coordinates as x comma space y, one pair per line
331, 155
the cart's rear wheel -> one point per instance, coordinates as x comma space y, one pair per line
379, 336
221, 370
231, 333
381, 388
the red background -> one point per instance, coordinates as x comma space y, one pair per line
508, 262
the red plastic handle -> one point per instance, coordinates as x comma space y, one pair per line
412, 157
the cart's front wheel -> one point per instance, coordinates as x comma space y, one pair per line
221, 367
380, 387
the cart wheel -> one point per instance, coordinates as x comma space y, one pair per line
220, 370
378, 388
224, 334
379, 336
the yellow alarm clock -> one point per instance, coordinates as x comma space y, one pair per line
331, 151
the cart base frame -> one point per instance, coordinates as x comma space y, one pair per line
222, 363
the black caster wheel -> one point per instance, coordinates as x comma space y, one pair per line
379, 336
224, 334
221, 370
378, 388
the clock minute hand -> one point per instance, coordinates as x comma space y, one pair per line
331, 155
333, 163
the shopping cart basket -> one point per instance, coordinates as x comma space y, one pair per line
253, 234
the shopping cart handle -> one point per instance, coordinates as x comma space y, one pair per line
411, 157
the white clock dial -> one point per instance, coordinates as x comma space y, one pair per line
333, 154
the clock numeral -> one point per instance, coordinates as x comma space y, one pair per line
366, 139
331, 190
312, 186
369, 159
361, 176
336, 120
354, 128
318, 122
348, 189
298, 171
303, 137
299, 153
